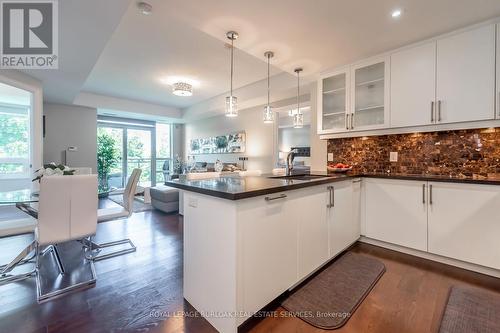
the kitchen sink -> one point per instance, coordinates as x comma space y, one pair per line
300, 177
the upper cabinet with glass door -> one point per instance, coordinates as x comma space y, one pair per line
369, 97
333, 101
355, 98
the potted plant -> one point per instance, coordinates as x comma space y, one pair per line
107, 157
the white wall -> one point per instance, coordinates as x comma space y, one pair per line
318, 147
69, 125
260, 146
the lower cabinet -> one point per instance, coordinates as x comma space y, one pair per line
396, 212
312, 235
458, 221
343, 216
288, 236
268, 248
464, 222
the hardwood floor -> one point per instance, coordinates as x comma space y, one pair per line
143, 291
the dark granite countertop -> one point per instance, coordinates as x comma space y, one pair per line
235, 187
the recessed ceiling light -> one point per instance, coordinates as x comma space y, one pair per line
182, 89
144, 8
396, 13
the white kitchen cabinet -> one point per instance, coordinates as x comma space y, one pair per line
268, 245
333, 101
312, 230
464, 222
344, 225
413, 86
370, 82
465, 74
396, 212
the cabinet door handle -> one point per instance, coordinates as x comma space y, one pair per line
347, 121
357, 181
432, 111
331, 202
430, 194
352, 120
423, 193
281, 196
439, 111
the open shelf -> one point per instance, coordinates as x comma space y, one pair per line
366, 83
371, 107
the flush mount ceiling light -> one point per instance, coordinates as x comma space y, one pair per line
268, 115
298, 118
396, 13
232, 101
144, 8
182, 89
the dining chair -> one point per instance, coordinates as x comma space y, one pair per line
114, 213
67, 210
82, 170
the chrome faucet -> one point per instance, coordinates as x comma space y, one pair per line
289, 163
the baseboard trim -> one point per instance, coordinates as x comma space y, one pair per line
433, 257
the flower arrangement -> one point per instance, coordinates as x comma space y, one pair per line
53, 169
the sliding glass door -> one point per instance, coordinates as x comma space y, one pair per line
140, 154
134, 144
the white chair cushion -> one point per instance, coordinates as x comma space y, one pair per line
17, 226
108, 214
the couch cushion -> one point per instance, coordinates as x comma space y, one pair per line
164, 193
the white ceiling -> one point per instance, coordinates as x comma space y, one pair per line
186, 38
146, 49
85, 27
322, 34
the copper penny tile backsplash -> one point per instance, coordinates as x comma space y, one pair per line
455, 153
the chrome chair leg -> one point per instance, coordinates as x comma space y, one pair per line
93, 246
55, 253
22, 262
57, 293
6, 278
17, 260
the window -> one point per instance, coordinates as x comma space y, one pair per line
15, 138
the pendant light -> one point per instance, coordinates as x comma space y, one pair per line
268, 115
232, 101
298, 117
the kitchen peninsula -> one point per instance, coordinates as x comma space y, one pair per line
249, 239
